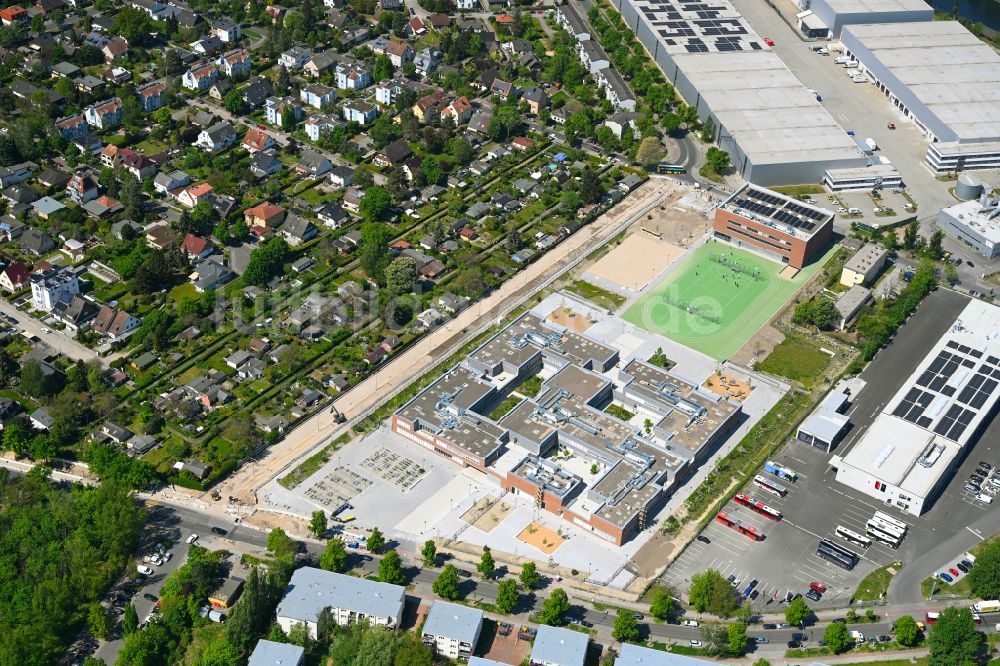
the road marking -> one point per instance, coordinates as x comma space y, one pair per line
978, 535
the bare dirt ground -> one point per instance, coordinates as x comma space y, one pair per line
542, 538
730, 387
571, 320
487, 514
759, 346
636, 261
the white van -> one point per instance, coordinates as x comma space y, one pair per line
984, 498
851, 63
840, 60
854, 211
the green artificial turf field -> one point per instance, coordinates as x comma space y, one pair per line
717, 299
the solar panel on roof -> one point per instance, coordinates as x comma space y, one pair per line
924, 421
925, 399
976, 353
966, 395
966, 416
902, 408
956, 432
996, 373
925, 378
948, 391
936, 364
952, 344
993, 360
969, 363
953, 411
938, 383
979, 400
944, 425
976, 381
989, 385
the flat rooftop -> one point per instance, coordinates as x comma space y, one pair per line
699, 27
454, 621
311, 590
768, 111
947, 68
876, 6
885, 171
865, 258
634, 655
937, 410
790, 216
559, 646
984, 220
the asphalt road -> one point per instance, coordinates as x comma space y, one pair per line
57, 340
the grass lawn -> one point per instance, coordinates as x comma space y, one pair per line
799, 190
796, 358
876, 584
717, 307
151, 146
619, 412
531, 386
505, 407
182, 291
597, 295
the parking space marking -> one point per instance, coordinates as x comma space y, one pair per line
976, 532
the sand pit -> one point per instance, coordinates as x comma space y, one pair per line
789, 272
487, 513
542, 538
634, 263
726, 385
574, 321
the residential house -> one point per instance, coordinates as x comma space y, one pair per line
353, 76
264, 216
555, 646
522, 143
103, 206
416, 27
294, 58
235, 63
89, 84
399, 53
332, 215
114, 324
207, 46
82, 187
452, 303
428, 107
161, 237
211, 273
256, 140
387, 91
480, 121
104, 114
503, 89
151, 95
536, 98
439, 21
118, 76
9, 409
72, 127
195, 468
460, 110
65, 70
191, 196
313, 164
452, 630
196, 247
342, 176
217, 137
297, 230
468, 5
320, 124
53, 285
265, 164
275, 108
360, 111
618, 122
14, 14
200, 76
593, 56
256, 91
155, 8
347, 599
616, 90
320, 64
317, 95
114, 49
220, 89
226, 30
393, 154
389, 5
352, 199
569, 18
46, 207
139, 166
40, 418
14, 277
427, 61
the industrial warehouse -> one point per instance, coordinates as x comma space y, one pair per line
633, 469
833, 15
906, 456
942, 77
774, 129
792, 231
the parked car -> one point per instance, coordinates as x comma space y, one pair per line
962, 567
637, 615
144, 570
150, 597
695, 643
814, 595
219, 531
884, 639
891, 125
794, 644
769, 41
818, 587
769, 626
954, 572
945, 577
690, 623
192, 538
464, 574
703, 539
761, 639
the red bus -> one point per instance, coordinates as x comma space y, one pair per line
742, 528
758, 507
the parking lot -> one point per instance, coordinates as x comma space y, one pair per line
815, 504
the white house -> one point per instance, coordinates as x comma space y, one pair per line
294, 58
52, 286
317, 95
360, 111
386, 92
227, 31
235, 63
348, 598
452, 630
217, 137
200, 77
320, 124
353, 76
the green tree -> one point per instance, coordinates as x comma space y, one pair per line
288, 119
233, 101
626, 627
446, 584
266, 262
554, 608
376, 540
746, 613
219, 652
797, 612
507, 596
130, 621
954, 640
429, 553
383, 68
837, 637
906, 631
390, 569
250, 615
486, 565
662, 606
577, 127
529, 575
711, 593
34, 381
375, 204
984, 578
318, 523
934, 250
911, 234
591, 188
737, 639
650, 152
412, 652
375, 257
401, 275
299, 635
334, 557
718, 160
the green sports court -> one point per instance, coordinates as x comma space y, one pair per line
717, 299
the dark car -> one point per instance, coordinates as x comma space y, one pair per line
884, 639
637, 615
769, 626
150, 597
839, 619
814, 595
977, 478
587, 624
464, 574
967, 563
219, 531
798, 636
754, 595
984, 464
821, 643
794, 644
703, 539
731, 578
961, 565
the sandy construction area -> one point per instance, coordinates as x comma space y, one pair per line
634, 263
542, 538
574, 321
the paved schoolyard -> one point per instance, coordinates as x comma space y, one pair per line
717, 299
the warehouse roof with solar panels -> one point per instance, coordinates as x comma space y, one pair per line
784, 213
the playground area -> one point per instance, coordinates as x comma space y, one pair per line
728, 386
717, 299
542, 538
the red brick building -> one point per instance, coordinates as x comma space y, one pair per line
792, 231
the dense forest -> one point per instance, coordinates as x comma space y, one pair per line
60, 550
